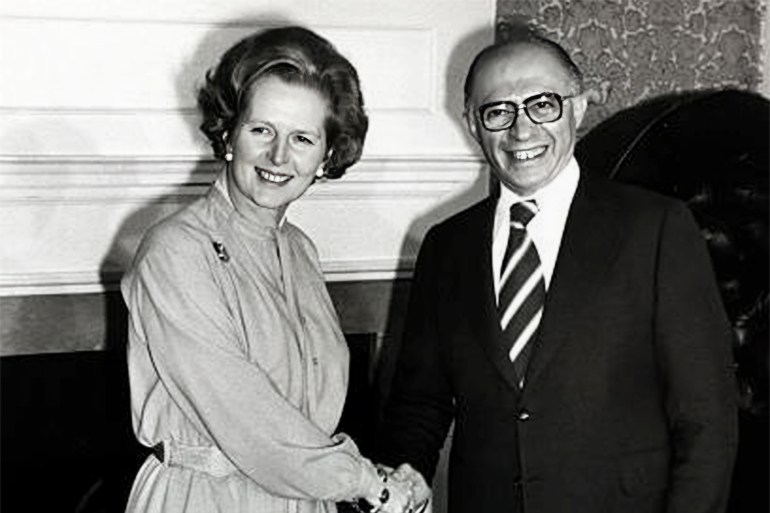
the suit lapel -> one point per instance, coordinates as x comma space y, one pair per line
588, 248
481, 292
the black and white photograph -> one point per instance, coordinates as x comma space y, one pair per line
385, 256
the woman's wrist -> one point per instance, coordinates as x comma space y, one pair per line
375, 488
384, 496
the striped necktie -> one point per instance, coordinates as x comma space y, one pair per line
522, 289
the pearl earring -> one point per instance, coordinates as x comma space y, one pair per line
228, 154
319, 172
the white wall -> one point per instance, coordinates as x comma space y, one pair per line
98, 133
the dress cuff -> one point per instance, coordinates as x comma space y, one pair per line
371, 486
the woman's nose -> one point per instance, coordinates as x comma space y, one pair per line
278, 151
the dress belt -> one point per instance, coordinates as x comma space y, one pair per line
209, 460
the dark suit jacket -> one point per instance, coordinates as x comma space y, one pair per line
629, 404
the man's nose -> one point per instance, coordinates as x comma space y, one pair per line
522, 127
278, 151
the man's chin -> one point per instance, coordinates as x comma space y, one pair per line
526, 180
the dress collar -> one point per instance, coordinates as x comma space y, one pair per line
263, 223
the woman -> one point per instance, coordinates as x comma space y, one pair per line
237, 364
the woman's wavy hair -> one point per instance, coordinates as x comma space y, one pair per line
297, 56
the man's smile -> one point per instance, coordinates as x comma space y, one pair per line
528, 154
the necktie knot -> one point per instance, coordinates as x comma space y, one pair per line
522, 213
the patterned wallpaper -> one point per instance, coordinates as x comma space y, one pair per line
632, 50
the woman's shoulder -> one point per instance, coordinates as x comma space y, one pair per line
304, 246
182, 232
295, 234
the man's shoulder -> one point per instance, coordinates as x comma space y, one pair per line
632, 197
470, 217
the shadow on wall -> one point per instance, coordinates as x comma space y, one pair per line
202, 173
710, 149
459, 62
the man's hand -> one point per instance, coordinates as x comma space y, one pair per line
400, 496
395, 496
420, 490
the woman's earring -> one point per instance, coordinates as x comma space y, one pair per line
320, 171
228, 153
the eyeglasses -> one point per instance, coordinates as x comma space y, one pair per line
540, 108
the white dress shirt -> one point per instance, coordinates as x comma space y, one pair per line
546, 228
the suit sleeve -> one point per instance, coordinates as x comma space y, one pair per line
693, 341
420, 408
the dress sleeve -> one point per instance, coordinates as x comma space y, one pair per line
693, 343
179, 310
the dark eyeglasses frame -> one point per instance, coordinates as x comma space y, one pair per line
523, 105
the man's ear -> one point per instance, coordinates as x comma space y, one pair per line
580, 106
470, 124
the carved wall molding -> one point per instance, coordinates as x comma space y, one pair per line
71, 179
73, 222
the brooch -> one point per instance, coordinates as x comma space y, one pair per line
221, 252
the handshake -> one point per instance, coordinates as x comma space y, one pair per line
404, 491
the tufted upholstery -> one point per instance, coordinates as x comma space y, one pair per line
712, 150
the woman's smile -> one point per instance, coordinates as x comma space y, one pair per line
271, 177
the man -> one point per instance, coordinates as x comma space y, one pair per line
570, 327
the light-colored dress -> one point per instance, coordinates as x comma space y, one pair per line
238, 365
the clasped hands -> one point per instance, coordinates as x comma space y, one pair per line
406, 489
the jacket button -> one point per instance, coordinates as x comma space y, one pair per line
523, 415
